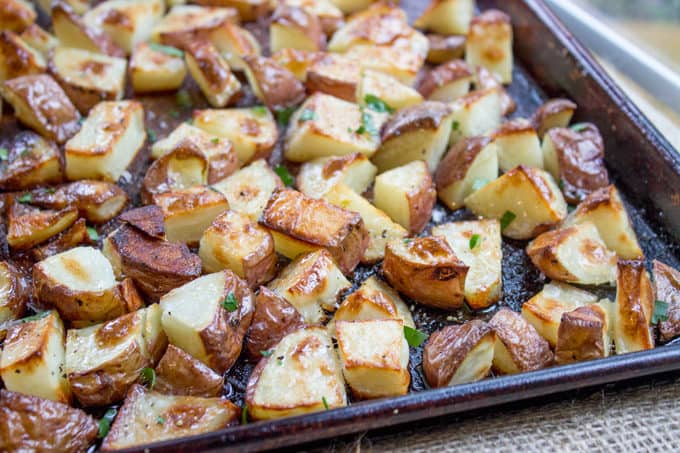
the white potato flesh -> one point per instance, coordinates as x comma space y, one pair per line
477, 362
184, 22
518, 144
633, 308
81, 269
317, 176
284, 35
18, 58
153, 70
447, 17
212, 73
489, 44
477, 113
387, 88
39, 39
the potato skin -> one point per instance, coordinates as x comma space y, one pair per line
441, 75
25, 169
279, 87
454, 166
178, 373
545, 117
30, 423
428, 115
71, 237
147, 219
529, 351
580, 335
486, 80
17, 292
667, 288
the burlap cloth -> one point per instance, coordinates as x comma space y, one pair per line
626, 419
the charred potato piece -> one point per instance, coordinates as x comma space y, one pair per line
154, 70
526, 200
553, 113
107, 142
519, 348
336, 75
297, 360
139, 420
72, 31
248, 10
420, 132
583, 335
18, 58
605, 209
273, 84
427, 270
299, 223
297, 61
318, 176
310, 283
183, 167
486, 80
374, 356
147, 219
518, 144
156, 266
489, 43
444, 48
209, 317
274, 318
447, 82
71, 237
178, 373
29, 423
17, 15
212, 73
459, 354
188, 23
236, 242
447, 17
407, 195
28, 226
633, 308
392, 92
477, 113
32, 359
467, 165
667, 289
41, 104
293, 27
31, 161
14, 294
39, 39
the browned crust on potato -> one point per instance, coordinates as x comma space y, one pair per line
247, 11
635, 300
421, 201
15, 16
443, 48
446, 349
279, 87
667, 289
159, 175
17, 60
71, 237
529, 351
178, 373
580, 335
486, 80
490, 17
15, 291
454, 166
428, 115
25, 222
552, 107
334, 76
97, 37
512, 127
294, 17
442, 75
23, 164
147, 219
213, 66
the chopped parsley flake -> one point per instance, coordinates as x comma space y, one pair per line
152, 135
474, 241
455, 125
260, 110
414, 337
508, 217
579, 127
283, 115
267, 353
168, 50
285, 175
660, 311
230, 303
307, 115
105, 422
4, 154
148, 376
325, 403
25, 198
160, 420
183, 99
94, 236
244, 415
215, 141
377, 105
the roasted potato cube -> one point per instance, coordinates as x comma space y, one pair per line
448, 17
329, 15
183, 167
189, 212
445, 48
447, 82
87, 77
28, 226
234, 241
553, 113
469, 163
189, 23
209, 317
583, 335
273, 84
107, 142
420, 132
41, 104
605, 209
544, 311
374, 84
666, 289
478, 244
518, 144
30, 423
310, 283
526, 200
274, 318
519, 348
251, 131
18, 58
39, 39
17, 15
178, 373
374, 356
489, 43
407, 195
379, 24
299, 223
293, 27
327, 126
151, 417
71, 237
476, 113
81, 285
248, 10
14, 294
297, 360
297, 61
459, 354
72, 31
633, 308
427, 270
336, 75
576, 159
212, 73
152, 69
31, 161
249, 189
403, 60
574, 254
318, 176
485, 79
126, 22
237, 44
156, 266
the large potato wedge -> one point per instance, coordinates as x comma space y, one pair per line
293, 27
153, 70
448, 17
667, 289
178, 373
633, 308
489, 43
72, 31
318, 176
518, 144
583, 335
519, 347
31, 161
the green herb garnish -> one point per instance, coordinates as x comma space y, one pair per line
148, 376
285, 175
152, 135
230, 303
105, 422
168, 50
579, 127
25, 198
474, 241
377, 105
215, 140
174, 113
260, 110
455, 125
660, 311
414, 337
508, 217
367, 124
283, 115
183, 99
325, 403
244, 415
4, 154
94, 236
478, 183
267, 353
560, 184
160, 420
307, 115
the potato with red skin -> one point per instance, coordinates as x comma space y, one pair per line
633, 308
178, 373
519, 347
273, 84
28, 226
72, 31
486, 80
444, 48
212, 74
182, 168
14, 294
334, 74
293, 27
582, 335
71, 237
446, 82
553, 113
31, 161
667, 289
147, 219
17, 58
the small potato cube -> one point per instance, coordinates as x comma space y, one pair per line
544, 311
237, 44
297, 61
447, 82
469, 163
459, 354
251, 131
329, 15
374, 84
17, 15
72, 31
519, 348
407, 195
32, 359
87, 77
445, 48
249, 189
318, 176
148, 417
448, 17
518, 144
236, 242
212, 73
336, 75
605, 209
553, 113
181, 168
574, 254
17, 58
293, 27
248, 10
39, 39
273, 84
15, 292
327, 126
208, 318
74, 236
178, 373
308, 363
427, 270
41, 104
152, 69
31, 161
379, 24
300, 224
107, 142
189, 23
489, 43
667, 289
632, 312
486, 80
403, 60
28, 226
476, 113
420, 132
526, 200
374, 356
583, 335
310, 283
